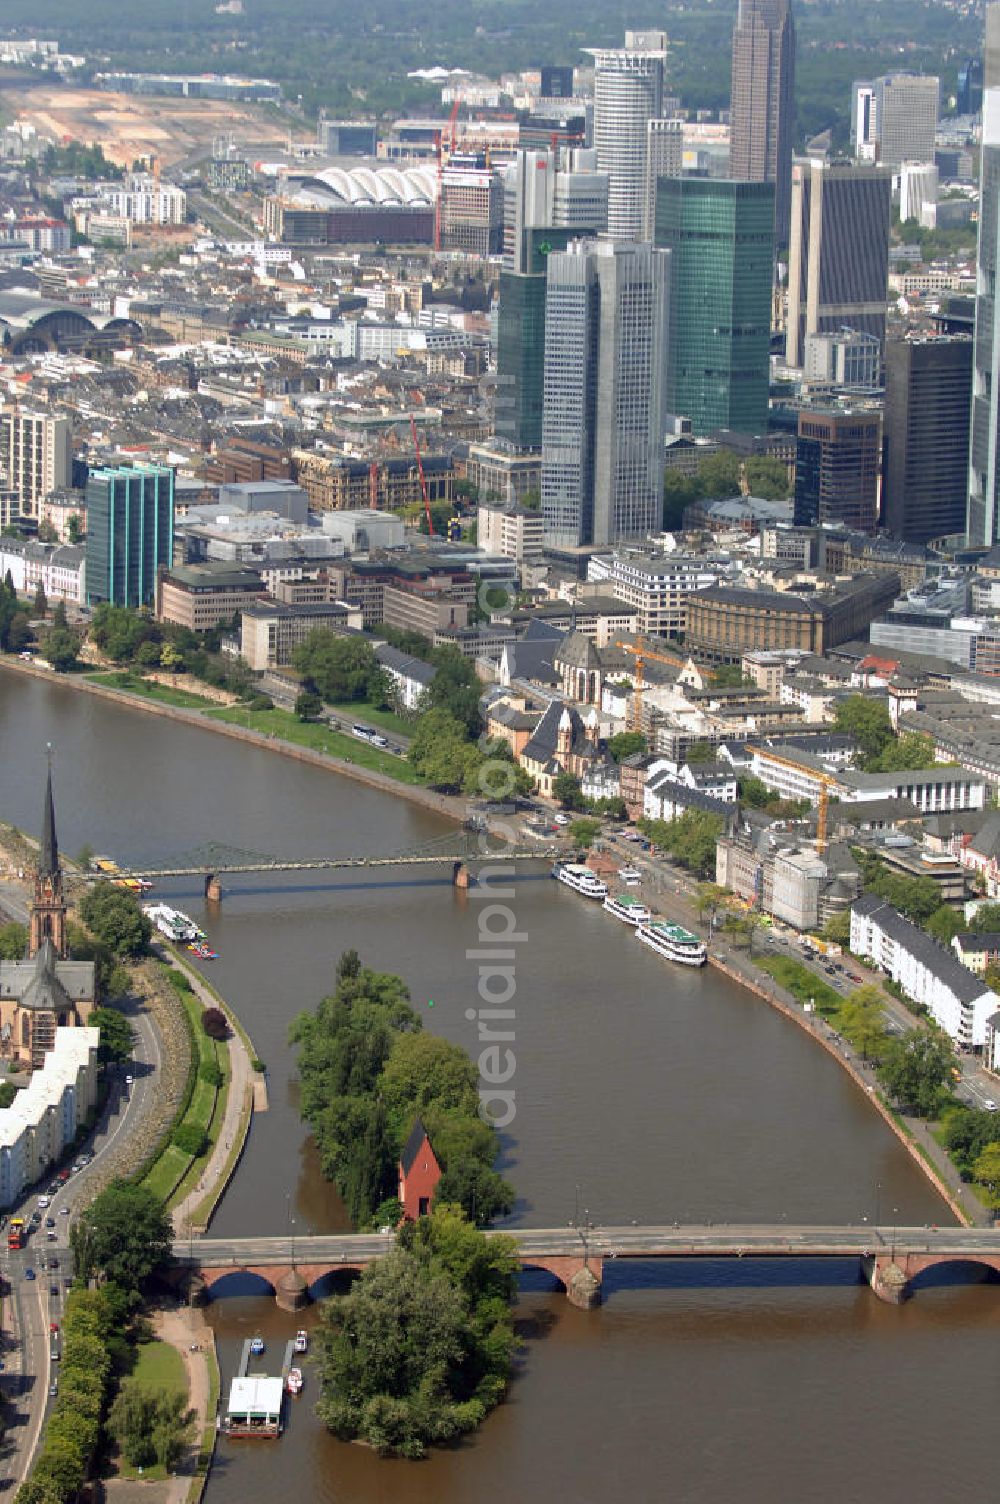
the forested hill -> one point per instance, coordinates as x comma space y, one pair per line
345, 58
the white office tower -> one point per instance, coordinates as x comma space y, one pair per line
918, 191
628, 92
543, 191
664, 159
604, 407
36, 450
864, 138
983, 526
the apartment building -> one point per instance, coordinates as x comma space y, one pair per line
37, 451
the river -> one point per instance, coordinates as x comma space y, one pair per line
642, 1091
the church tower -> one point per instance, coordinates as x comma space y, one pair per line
48, 908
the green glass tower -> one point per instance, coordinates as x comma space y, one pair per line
130, 532
721, 238
521, 339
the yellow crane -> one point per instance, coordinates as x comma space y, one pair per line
643, 654
826, 782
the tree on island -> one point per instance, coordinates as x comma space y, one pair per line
421, 1348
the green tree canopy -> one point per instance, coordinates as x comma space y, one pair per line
584, 832
339, 668
13, 942
627, 744
123, 1236
117, 1038
691, 839
455, 689
867, 720
567, 790
915, 1071
115, 916
440, 751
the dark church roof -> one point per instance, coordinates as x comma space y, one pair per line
45, 992
45, 976
413, 1145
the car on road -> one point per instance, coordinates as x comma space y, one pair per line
990, 1105
50, 1221
853, 975
54, 1264
43, 1201
64, 1211
29, 1273
129, 1080
54, 1291
561, 818
53, 1326
54, 1388
64, 1176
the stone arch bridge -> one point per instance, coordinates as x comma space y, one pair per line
890, 1259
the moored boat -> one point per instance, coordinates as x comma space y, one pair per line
256, 1345
171, 922
626, 908
674, 942
580, 879
294, 1381
301, 1340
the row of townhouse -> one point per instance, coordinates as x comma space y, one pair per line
60, 568
44, 1118
929, 974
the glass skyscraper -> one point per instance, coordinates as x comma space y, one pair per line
130, 532
721, 238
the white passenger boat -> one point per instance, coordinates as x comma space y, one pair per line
301, 1341
674, 942
626, 908
294, 1381
580, 879
171, 922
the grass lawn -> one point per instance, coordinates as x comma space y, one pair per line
386, 719
281, 723
803, 984
160, 1366
135, 685
169, 1177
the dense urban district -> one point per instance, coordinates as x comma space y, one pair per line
590, 438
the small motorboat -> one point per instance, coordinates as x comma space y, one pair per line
294, 1381
301, 1341
256, 1346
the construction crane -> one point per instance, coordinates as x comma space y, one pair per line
423, 479
642, 655
826, 782
373, 486
439, 149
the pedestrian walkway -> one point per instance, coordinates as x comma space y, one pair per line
242, 1101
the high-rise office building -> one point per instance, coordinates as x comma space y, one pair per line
545, 206
720, 235
838, 263
970, 86
471, 207
664, 159
837, 456
556, 81
864, 136
37, 453
130, 532
928, 390
983, 522
628, 92
605, 402
762, 102
903, 117
991, 52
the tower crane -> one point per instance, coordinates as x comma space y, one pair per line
826, 782
423, 479
643, 654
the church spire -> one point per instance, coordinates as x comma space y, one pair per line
48, 856
47, 918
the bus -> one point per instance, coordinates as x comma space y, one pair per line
15, 1233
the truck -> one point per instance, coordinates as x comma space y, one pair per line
16, 1233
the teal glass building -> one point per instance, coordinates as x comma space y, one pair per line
721, 238
130, 532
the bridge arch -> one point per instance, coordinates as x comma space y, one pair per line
217, 1284
958, 1269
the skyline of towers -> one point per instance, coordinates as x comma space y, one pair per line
982, 520
762, 101
928, 387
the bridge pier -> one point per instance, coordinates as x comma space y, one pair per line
291, 1292
460, 875
584, 1289
888, 1281
213, 888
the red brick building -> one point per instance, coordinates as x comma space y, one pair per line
419, 1173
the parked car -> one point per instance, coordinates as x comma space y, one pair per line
561, 818
29, 1273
